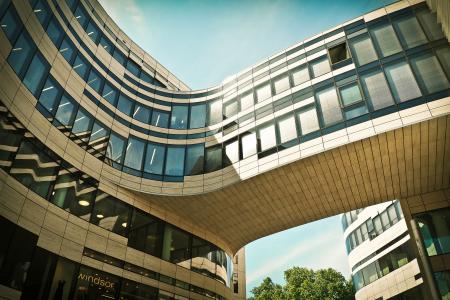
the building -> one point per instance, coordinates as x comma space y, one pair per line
119, 181
380, 254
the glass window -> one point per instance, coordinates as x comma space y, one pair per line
376, 89
44, 172
11, 24
194, 159
111, 213
93, 32
115, 149
50, 95
141, 113
99, 137
106, 44
125, 104
42, 11
67, 109
176, 246
119, 56
81, 66
145, 233
73, 194
174, 161
320, 66
231, 108
410, 32
300, 75
429, 73
36, 74
287, 129
154, 158
430, 24
281, 84
363, 50
385, 220
386, 40
392, 214
263, 92
197, 116
350, 94
267, 137
377, 225
95, 80
443, 283
231, 152
133, 290
160, 118
134, 153
81, 15
55, 32
10, 139
444, 57
82, 125
133, 68
213, 159
110, 93
21, 54
86, 287
247, 100
338, 53
214, 112
308, 120
178, 119
402, 82
67, 50
434, 227
364, 233
202, 257
329, 104
249, 143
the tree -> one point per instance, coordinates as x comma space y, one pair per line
303, 283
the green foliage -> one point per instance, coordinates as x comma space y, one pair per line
303, 283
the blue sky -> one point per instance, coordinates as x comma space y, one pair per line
202, 42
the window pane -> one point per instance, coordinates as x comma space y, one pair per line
230, 108
281, 84
385, 220
36, 74
55, 32
287, 129
377, 90
93, 32
106, 44
125, 104
111, 214
444, 57
145, 233
176, 246
350, 94
99, 137
308, 120
392, 214
386, 40
50, 95
10, 24
141, 113
329, 104
197, 116
134, 153
81, 15
231, 152
95, 80
115, 149
214, 112
402, 82
429, 73
410, 32
110, 93
119, 56
430, 24
320, 66
42, 11
178, 119
300, 75
363, 50
263, 92
434, 227
67, 50
21, 54
133, 68
82, 125
154, 159
267, 137
247, 100
174, 161
160, 118
202, 257
194, 159
66, 111
249, 143
81, 66
213, 159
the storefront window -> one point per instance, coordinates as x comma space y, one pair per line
94, 284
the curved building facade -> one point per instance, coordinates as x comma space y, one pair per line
124, 183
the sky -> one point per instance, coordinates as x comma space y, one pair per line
202, 42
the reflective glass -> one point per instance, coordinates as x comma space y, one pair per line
160, 118
67, 50
11, 24
213, 159
410, 32
267, 137
21, 54
363, 50
429, 73
444, 57
82, 125
230, 108
99, 137
249, 144
36, 74
386, 40
106, 44
197, 116
133, 290
443, 283
141, 113
434, 227
133, 68
430, 24
174, 161
214, 112
111, 213
202, 257
320, 66
263, 92
134, 153
176, 246
247, 100
300, 75
377, 90
329, 104
287, 129
402, 82
85, 287
55, 32
194, 159
66, 110
115, 149
154, 158
95, 80
145, 233
110, 93
350, 94
231, 152
81, 66
281, 84
119, 56
178, 118
42, 11
81, 15
125, 104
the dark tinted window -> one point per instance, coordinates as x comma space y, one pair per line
111, 213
